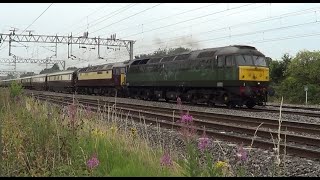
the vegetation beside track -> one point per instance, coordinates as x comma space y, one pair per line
39, 139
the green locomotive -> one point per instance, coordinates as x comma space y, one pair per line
232, 75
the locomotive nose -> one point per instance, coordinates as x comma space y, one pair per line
249, 73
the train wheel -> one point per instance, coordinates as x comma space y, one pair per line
225, 99
211, 104
250, 104
231, 105
193, 101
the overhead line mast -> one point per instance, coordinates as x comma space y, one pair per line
70, 40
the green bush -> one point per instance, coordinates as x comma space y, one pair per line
290, 75
15, 89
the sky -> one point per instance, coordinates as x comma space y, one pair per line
273, 28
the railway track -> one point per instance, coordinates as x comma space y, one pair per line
221, 126
313, 112
296, 107
286, 109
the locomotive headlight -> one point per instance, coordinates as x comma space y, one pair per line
258, 83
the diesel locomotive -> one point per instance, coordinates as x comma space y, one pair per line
232, 75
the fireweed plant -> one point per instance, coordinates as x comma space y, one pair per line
199, 161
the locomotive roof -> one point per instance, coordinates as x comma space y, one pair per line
119, 64
5, 80
27, 77
233, 49
61, 72
202, 53
39, 75
96, 67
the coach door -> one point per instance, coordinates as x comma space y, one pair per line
230, 72
220, 68
116, 76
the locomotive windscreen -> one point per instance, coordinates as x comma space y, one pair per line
249, 60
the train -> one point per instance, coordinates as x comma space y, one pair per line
234, 75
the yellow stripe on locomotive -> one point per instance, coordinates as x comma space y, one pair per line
123, 79
95, 75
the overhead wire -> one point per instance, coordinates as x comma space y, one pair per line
174, 15
269, 29
248, 23
179, 13
37, 18
250, 33
90, 14
188, 20
110, 15
128, 17
198, 17
85, 17
218, 18
31, 23
243, 34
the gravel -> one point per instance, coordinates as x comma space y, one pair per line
295, 105
288, 117
260, 162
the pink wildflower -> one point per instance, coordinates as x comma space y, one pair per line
242, 154
204, 143
93, 162
187, 118
88, 111
166, 160
72, 110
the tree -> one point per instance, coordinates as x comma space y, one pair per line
10, 76
301, 70
164, 52
173, 51
278, 69
268, 61
54, 68
72, 68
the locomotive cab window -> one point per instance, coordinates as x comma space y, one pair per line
249, 60
154, 60
136, 62
167, 59
182, 57
229, 61
221, 61
259, 61
116, 71
144, 61
244, 60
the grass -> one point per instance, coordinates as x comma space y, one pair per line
40, 139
